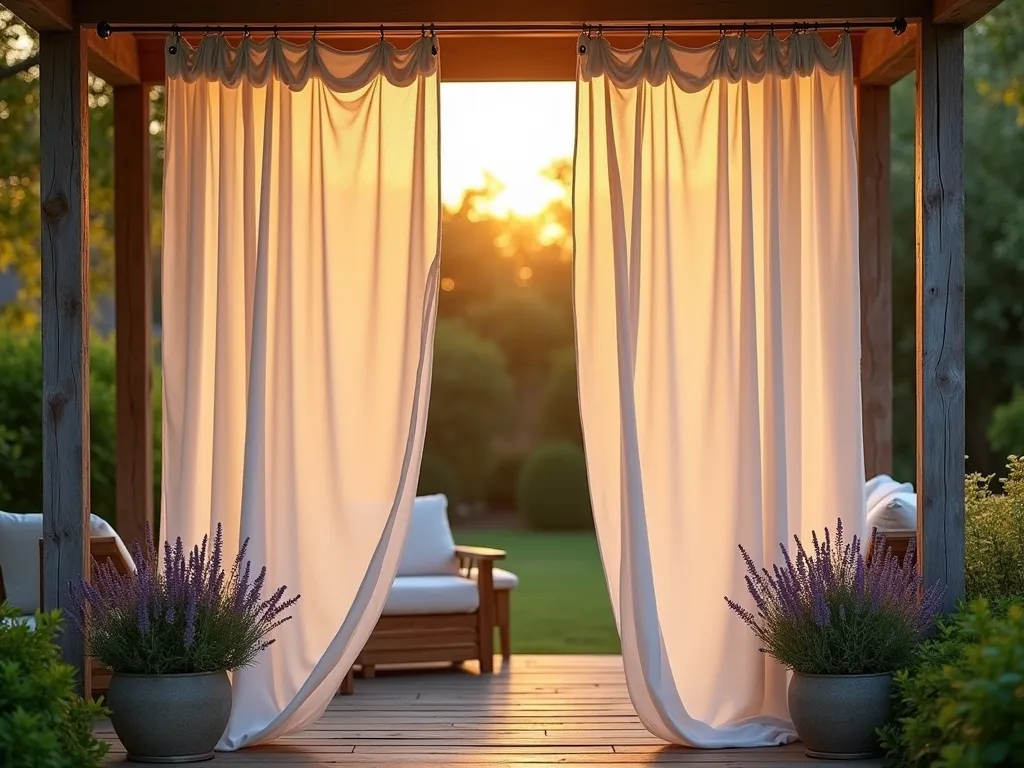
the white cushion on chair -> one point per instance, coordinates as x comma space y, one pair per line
431, 594
895, 512
429, 546
19, 555
502, 579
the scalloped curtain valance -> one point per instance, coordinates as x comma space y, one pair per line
257, 61
732, 58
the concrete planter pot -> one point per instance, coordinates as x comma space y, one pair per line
836, 716
169, 718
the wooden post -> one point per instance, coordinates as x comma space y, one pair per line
874, 164
940, 307
64, 185
134, 312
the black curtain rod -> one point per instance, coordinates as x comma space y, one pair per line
105, 30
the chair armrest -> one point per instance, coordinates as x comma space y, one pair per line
479, 553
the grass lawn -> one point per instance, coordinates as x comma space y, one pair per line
561, 604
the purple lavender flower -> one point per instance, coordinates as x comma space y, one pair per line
833, 611
186, 616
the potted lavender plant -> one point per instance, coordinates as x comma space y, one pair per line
170, 635
843, 626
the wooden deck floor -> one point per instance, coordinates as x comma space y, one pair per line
540, 711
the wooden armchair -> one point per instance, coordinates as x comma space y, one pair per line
443, 605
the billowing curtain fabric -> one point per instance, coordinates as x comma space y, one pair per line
300, 266
718, 342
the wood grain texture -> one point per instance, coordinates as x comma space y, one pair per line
134, 312
940, 307
42, 15
962, 12
534, 711
885, 58
64, 184
874, 168
473, 11
115, 59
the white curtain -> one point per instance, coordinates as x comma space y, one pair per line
718, 342
300, 267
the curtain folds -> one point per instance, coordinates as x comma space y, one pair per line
300, 276
718, 342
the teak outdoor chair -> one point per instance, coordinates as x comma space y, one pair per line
444, 603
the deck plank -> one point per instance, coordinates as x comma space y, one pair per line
538, 711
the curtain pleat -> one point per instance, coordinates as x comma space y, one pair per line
718, 343
301, 236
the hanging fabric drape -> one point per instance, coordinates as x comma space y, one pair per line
718, 343
300, 269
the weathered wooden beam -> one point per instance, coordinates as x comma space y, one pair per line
940, 306
874, 168
962, 12
115, 59
474, 11
64, 185
42, 15
134, 312
886, 58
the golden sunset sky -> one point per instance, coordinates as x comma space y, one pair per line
511, 130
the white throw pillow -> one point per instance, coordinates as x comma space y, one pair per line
896, 512
429, 546
19, 555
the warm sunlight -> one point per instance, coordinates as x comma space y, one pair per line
512, 131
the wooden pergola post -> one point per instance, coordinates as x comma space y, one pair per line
64, 186
134, 312
874, 162
940, 306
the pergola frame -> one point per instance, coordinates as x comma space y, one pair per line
69, 46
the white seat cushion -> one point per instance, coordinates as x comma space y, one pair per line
894, 512
429, 547
431, 594
28, 620
19, 555
502, 579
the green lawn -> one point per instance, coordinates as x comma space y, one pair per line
561, 604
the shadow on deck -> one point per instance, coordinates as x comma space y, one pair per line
541, 710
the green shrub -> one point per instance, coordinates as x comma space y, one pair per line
43, 724
21, 388
1006, 429
995, 535
436, 476
21, 434
471, 401
962, 703
561, 409
552, 492
501, 481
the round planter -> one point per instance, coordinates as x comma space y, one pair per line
169, 718
836, 716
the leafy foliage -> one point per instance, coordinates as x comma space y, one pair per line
43, 724
832, 613
190, 616
995, 534
436, 476
501, 481
471, 401
1006, 430
21, 435
553, 493
561, 400
961, 703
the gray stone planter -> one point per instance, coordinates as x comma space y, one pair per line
169, 718
836, 715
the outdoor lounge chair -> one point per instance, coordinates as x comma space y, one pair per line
21, 568
892, 510
445, 601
